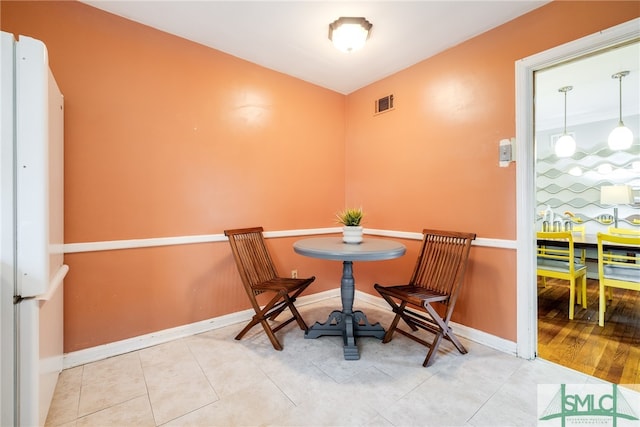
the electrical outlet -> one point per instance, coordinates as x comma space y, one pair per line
294, 274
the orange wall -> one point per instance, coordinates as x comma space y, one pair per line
433, 161
165, 137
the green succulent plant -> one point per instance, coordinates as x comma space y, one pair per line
350, 216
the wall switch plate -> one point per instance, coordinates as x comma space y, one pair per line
506, 152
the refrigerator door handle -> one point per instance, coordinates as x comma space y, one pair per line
56, 282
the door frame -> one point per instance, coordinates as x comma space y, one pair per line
527, 303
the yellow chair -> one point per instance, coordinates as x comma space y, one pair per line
559, 262
577, 229
620, 232
617, 269
624, 231
580, 229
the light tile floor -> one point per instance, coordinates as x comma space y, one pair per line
211, 379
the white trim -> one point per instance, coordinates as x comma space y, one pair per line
105, 351
100, 352
70, 248
525, 172
397, 234
479, 241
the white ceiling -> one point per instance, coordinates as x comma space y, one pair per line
595, 95
292, 37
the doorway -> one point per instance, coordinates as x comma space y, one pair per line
527, 310
568, 186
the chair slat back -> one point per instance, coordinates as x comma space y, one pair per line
252, 257
623, 231
579, 229
556, 255
442, 261
623, 266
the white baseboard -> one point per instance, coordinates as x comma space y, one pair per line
105, 351
463, 331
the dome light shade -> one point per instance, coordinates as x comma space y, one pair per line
565, 145
349, 34
621, 136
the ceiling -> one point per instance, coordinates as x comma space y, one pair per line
292, 37
595, 95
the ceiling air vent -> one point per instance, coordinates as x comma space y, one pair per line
384, 104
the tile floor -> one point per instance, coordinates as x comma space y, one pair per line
211, 379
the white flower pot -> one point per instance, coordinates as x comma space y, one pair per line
352, 234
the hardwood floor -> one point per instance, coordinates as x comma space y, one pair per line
611, 353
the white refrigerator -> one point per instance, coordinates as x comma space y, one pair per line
31, 232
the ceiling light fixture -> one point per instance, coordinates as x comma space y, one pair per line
621, 136
565, 145
348, 34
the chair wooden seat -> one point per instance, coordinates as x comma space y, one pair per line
259, 275
437, 278
278, 284
415, 294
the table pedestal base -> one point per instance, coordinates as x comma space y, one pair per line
346, 322
349, 326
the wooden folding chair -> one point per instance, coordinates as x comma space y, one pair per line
259, 275
437, 278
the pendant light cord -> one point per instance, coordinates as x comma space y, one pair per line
565, 89
620, 98
619, 76
565, 112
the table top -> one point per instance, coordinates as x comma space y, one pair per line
333, 248
588, 241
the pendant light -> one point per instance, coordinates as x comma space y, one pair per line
565, 145
621, 136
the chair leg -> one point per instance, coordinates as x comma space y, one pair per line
272, 337
584, 291
572, 297
254, 321
296, 314
602, 304
432, 349
445, 329
261, 317
398, 310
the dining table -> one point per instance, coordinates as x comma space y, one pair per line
346, 322
588, 241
